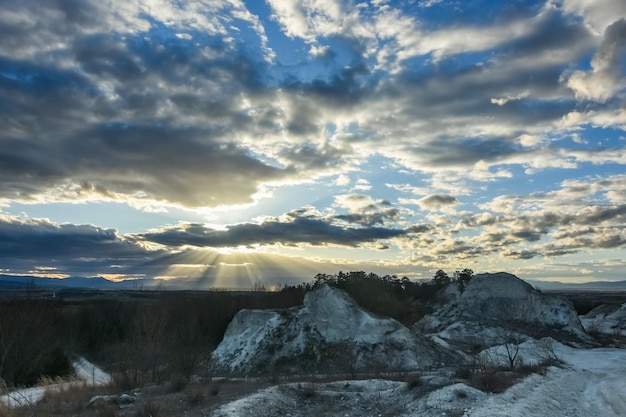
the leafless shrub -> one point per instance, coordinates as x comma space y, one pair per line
107, 410
195, 396
149, 409
6, 411
414, 381
177, 383
493, 381
308, 390
214, 389
460, 393
464, 372
30, 342
125, 380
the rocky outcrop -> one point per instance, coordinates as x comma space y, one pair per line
607, 318
495, 308
329, 333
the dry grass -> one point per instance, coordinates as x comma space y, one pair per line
195, 397
149, 409
414, 381
177, 384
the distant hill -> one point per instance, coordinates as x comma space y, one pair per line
590, 286
20, 282
17, 282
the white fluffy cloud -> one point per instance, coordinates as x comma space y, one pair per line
606, 77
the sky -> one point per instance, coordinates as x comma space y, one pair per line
234, 143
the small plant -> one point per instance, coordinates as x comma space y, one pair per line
177, 384
464, 372
149, 409
460, 393
124, 381
309, 390
107, 411
214, 389
413, 381
195, 396
494, 382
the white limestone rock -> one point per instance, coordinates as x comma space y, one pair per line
607, 318
329, 333
493, 308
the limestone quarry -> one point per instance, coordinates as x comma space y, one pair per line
492, 347
470, 326
496, 308
329, 333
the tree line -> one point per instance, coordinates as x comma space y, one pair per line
164, 334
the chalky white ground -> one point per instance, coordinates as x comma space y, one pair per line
592, 383
85, 373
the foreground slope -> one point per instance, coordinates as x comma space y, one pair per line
589, 385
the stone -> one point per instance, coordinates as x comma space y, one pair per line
329, 333
493, 308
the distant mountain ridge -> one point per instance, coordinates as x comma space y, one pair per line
17, 282
593, 285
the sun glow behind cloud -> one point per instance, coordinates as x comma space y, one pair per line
231, 143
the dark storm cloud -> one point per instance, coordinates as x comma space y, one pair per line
135, 116
527, 235
520, 254
37, 102
348, 80
600, 214
458, 248
183, 166
70, 249
479, 220
40, 247
299, 230
419, 229
308, 156
370, 215
550, 33
365, 211
445, 102
44, 239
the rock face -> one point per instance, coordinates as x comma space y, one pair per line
329, 333
495, 307
607, 318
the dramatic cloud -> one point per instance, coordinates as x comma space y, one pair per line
298, 230
606, 77
426, 134
435, 202
29, 246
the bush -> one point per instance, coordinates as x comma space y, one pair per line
149, 409
177, 384
460, 393
214, 389
413, 382
464, 372
107, 411
492, 381
30, 342
308, 390
195, 396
